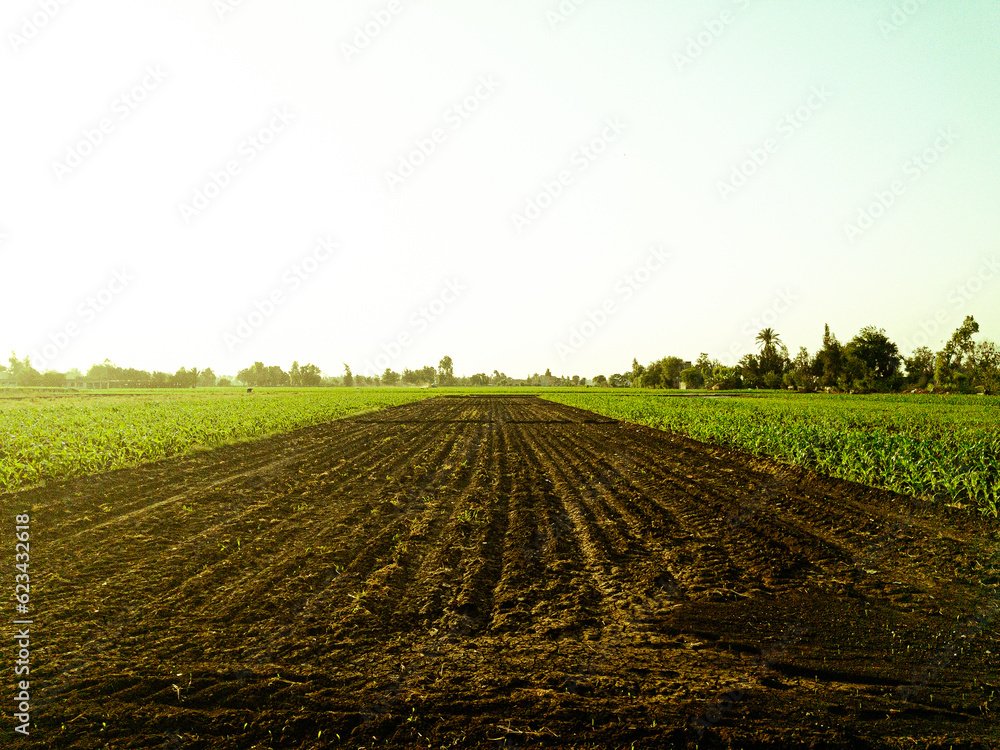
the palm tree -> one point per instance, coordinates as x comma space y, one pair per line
768, 339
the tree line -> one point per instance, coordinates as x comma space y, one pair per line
868, 363
21, 373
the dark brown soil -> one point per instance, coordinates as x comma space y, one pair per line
502, 572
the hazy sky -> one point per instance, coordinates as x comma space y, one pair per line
520, 185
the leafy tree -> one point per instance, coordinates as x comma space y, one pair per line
984, 367
252, 376
426, 375
693, 377
389, 377
726, 378
446, 371
22, 373
619, 380
672, 367
206, 378
185, 378
224, 383
772, 380
920, 367
274, 376
829, 364
706, 366
260, 376
294, 375
749, 367
663, 373
952, 362
964, 366
132, 378
600, 380
637, 371
310, 376
53, 379
871, 362
348, 377
105, 371
773, 361
802, 376
767, 369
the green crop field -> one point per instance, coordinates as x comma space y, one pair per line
942, 447
927, 446
52, 434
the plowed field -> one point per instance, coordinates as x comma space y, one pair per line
503, 572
